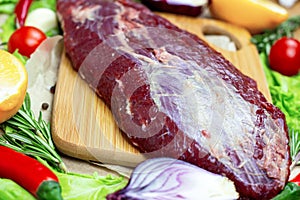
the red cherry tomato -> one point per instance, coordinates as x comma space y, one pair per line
284, 56
26, 39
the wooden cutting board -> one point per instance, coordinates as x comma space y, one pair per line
83, 127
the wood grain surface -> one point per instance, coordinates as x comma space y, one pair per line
83, 127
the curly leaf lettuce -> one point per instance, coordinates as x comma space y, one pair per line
285, 92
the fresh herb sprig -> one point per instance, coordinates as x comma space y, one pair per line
295, 147
31, 136
265, 40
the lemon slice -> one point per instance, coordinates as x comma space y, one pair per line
254, 15
13, 85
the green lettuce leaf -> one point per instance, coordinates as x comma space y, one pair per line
290, 192
51, 4
89, 187
10, 190
7, 28
7, 6
77, 186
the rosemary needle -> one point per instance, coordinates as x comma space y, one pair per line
295, 147
31, 136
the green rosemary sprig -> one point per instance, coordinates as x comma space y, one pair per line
265, 40
295, 147
31, 136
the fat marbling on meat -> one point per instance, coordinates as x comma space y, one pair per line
172, 95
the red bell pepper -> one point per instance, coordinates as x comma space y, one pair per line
296, 179
29, 173
21, 11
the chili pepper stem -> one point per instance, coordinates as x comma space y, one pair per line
49, 190
29, 173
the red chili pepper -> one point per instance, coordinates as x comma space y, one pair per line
296, 179
21, 11
29, 173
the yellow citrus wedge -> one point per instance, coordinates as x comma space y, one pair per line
254, 15
13, 85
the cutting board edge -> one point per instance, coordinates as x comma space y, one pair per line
106, 156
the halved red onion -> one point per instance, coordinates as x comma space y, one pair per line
184, 7
171, 179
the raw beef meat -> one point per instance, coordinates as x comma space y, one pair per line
172, 95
